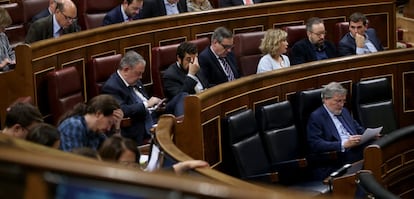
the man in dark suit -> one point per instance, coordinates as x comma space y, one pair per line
360, 39
46, 12
126, 86
155, 8
62, 22
127, 11
184, 76
228, 3
315, 47
332, 128
217, 61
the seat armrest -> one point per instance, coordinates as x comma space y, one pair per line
272, 177
291, 164
317, 159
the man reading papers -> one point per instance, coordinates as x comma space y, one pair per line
332, 128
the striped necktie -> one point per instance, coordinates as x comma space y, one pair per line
227, 68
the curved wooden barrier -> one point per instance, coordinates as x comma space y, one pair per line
29, 170
35, 60
199, 134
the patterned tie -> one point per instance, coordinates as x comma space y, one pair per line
344, 123
227, 68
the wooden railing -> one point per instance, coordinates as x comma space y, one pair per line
28, 170
199, 134
35, 60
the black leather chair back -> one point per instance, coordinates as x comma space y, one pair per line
304, 103
245, 144
278, 131
373, 105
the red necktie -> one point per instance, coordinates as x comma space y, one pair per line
249, 2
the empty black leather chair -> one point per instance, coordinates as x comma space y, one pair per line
280, 138
243, 145
373, 105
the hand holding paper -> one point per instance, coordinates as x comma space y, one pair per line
370, 133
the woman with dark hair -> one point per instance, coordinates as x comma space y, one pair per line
44, 134
125, 151
7, 54
86, 124
120, 149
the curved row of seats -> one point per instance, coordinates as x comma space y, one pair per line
270, 145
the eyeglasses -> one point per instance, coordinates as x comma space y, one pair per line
70, 19
320, 34
226, 47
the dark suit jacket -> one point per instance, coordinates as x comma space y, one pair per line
136, 111
227, 3
43, 29
115, 16
176, 81
155, 8
324, 137
211, 69
304, 51
347, 45
41, 14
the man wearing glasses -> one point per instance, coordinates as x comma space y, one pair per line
314, 47
217, 61
63, 21
360, 39
129, 10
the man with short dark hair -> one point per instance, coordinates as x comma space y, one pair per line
63, 21
314, 47
360, 39
129, 10
20, 118
217, 60
184, 76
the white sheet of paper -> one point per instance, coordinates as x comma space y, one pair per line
369, 134
153, 159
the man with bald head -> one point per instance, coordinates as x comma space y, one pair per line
63, 21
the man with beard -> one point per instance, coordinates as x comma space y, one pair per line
315, 47
129, 10
184, 76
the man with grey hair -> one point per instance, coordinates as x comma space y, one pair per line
332, 128
217, 61
126, 86
314, 47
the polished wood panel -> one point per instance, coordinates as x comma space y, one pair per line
30, 170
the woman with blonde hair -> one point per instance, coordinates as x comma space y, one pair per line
273, 47
7, 55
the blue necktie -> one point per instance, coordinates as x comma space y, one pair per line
148, 117
344, 124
